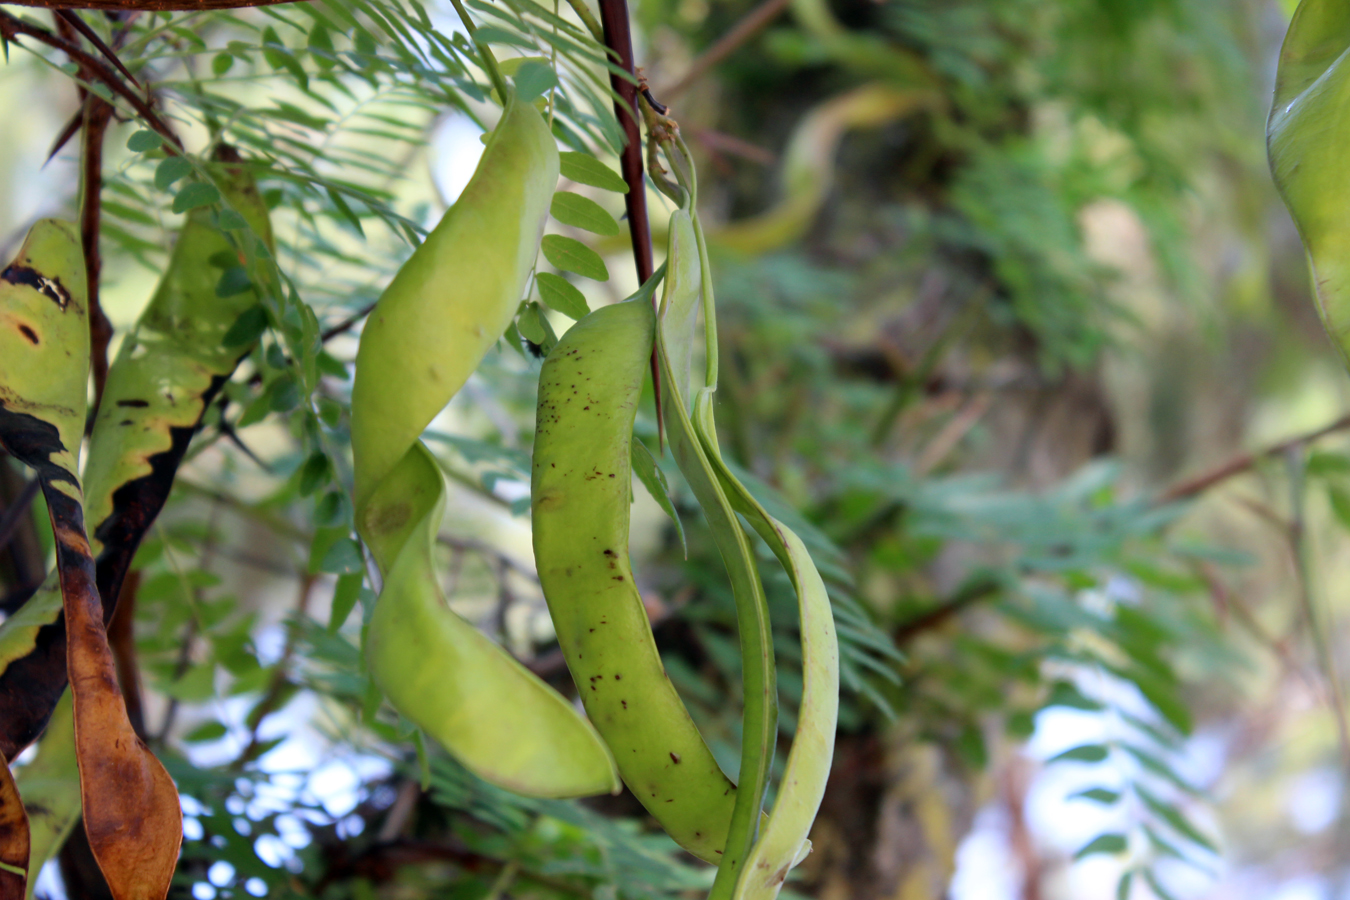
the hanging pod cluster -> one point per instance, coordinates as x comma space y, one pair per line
588, 394
90, 762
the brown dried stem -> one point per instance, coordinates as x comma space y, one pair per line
12, 27
1244, 462
754, 22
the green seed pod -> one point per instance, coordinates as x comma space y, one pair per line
452, 300
1308, 131
580, 490
442, 312
684, 293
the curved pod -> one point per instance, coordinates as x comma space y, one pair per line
580, 496
446, 307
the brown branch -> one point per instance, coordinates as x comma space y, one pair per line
717, 141
619, 40
66, 133
1192, 487
346, 324
122, 640
155, 5
974, 591
11, 27
97, 114
754, 22
74, 20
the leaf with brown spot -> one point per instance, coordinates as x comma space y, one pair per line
13, 839
131, 809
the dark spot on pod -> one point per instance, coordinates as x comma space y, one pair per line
611, 474
30, 334
126, 422
618, 678
610, 553
625, 703
138, 404
675, 757
592, 631
618, 578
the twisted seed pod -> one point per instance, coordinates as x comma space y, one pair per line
444, 309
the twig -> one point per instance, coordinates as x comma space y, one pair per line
65, 134
156, 5
346, 324
716, 141
97, 114
11, 27
619, 41
92, 37
968, 595
1243, 462
742, 31
122, 640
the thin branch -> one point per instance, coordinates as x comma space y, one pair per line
1243, 463
717, 141
11, 27
156, 5
122, 640
974, 591
98, 113
346, 324
754, 22
92, 37
65, 134
619, 41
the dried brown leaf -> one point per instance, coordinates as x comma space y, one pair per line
14, 841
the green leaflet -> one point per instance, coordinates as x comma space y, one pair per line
443, 311
1307, 135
